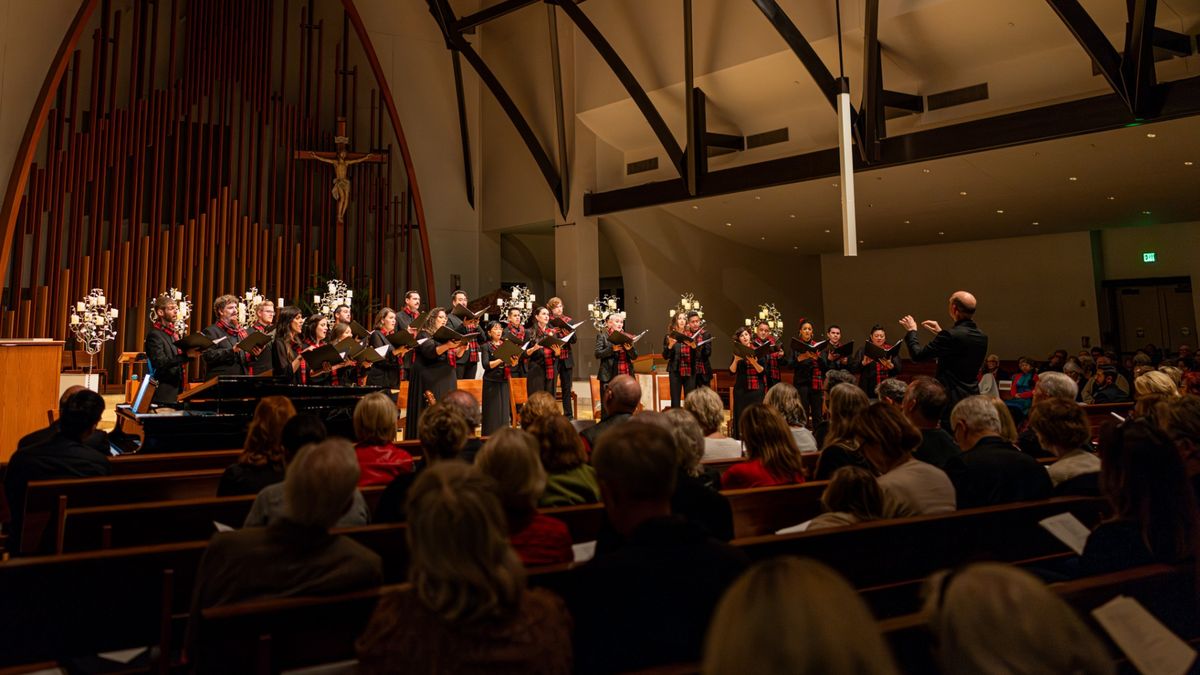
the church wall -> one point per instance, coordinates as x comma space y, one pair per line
1036, 294
527, 258
1177, 247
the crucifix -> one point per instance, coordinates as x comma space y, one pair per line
341, 162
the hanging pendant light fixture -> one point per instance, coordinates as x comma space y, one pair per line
845, 148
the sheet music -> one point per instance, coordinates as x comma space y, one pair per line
222, 527
1150, 645
584, 551
1067, 529
382, 351
802, 527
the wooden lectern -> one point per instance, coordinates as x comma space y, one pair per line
28, 388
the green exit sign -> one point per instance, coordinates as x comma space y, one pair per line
1149, 257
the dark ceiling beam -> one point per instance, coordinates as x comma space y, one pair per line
625, 76
824, 79
901, 101
464, 131
1176, 43
872, 123
560, 122
692, 156
1137, 63
1093, 41
485, 15
714, 139
1180, 98
445, 17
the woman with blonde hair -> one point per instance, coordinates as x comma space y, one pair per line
794, 615
971, 613
705, 405
785, 399
1154, 382
1008, 425
846, 402
262, 461
468, 609
510, 458
570, 479
773, 458
379, 458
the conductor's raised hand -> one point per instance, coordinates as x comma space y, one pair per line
932, 325
908, 322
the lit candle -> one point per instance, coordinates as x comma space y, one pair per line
349, 293
79, 306
532, 297
591, 308
316, 299
113, 312
747, 322
74, 319
500, 302
280, 305
672, 314
332, 287
762, 314
178, 295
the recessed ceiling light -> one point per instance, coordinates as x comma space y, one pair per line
1072, 178
756, 197
835, 185
1188, 163
694, 206
826, 231
1035, 222
861, 241
924, 170
763, 238
795, 248
1111, 198
963, 193
1000, 211
941, 234
1151, 135
1145, 213
791, 215
907, 222
728, 224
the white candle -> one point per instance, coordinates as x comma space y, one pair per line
316, 299
332, 287
747, 322
74, 319
762, 314
671, 314
113, 312
178, 295
499, 302
349, 293
280, 305
79, 307
532, 297
591, 308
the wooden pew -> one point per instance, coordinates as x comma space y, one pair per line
46, 501
132, 465
763, 511
1099, 414
1167, 592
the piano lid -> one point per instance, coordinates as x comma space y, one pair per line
235, 387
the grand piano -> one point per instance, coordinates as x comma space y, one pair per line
216, 414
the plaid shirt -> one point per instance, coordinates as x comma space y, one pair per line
684, 362
548, 358
816, 377
771, 367
753, 380
624, 365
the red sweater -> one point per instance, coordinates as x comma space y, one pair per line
752, 474
379, 464
545, 541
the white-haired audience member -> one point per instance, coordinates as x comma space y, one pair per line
797, 616
971, 613
1050, 385
891, 390
996, 471
706, 405
467, 608
1062, 428
294, 555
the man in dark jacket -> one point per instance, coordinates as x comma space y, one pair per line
997, 472
959, 350
621, 398
63, 455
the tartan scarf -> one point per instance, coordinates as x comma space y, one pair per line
169, 329
754, 381
684, 362
881, 373
772, 365
624, 366
817, 381
548, 358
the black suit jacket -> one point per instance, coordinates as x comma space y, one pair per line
608, 357
166, 365
220, 359
58, 457
98, 441
998, 473
960, 352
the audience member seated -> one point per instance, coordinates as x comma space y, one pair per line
443, 435
924, 404
1104, 387
540, 404
891, 391
852, 496
1050, 386
1154, 382
990, 376
1078, 372
832, 379
510, 458
1008, 426
97, 440
62, 455
1175, 374
784, 398
621, 399
798, 616
468, 405
910, 487
1190, 383
570, 479
648, 602
467, 609
771, 452
840, 448
270, 504
1180, 419
1021, 389
295, 555
261, 462
696, 497
1154, 508
997, 473
706, 405
379, 458
1062, 428
971, 615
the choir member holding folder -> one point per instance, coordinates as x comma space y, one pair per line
541, 362
167, 359
809, 378
433, 371
679, 348
386, 373
226, 356
763, 338
750, 381
616, 350
514, 330
876, 361
564, 329
836, 355
702, 359
499, 357
285, 352
463, 320
316, 367
263, 324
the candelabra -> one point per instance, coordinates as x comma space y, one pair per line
688, 304
601, 308
183, 302
337, 293
774, 318
248, 306
519, 298
92, 322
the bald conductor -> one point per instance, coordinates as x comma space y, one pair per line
959, 350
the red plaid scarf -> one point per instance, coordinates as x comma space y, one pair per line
565, 352
817, 381
684, 362
517, 331
234, 332
303, 346
472, 354
624, 365
771, 368
700, 370
169, 329
881, 372
548, 359
411, 314
754, 380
